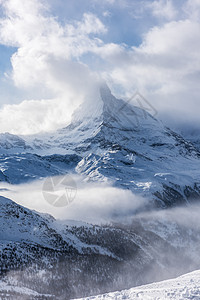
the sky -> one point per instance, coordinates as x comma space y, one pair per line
54, 52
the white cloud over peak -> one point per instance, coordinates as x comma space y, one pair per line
66, 58
47, 57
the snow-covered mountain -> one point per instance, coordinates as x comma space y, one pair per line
110, 140
67, 259
192, 135
23, 167
184, 287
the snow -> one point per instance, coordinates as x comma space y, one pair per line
184, 287
21, 225
64, 228
109, 141
112, 141
191, 134
158, 236
127, 146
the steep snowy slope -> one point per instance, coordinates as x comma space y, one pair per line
183, 287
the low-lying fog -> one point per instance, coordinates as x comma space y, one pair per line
95, 203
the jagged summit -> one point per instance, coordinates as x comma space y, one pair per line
106, 109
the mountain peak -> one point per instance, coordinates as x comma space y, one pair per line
105, 92
105, 108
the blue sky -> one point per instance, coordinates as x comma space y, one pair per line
126, 21
122, 26
49, 48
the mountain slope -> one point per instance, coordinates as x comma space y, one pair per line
184, 287
192, 135
19, 168
53, 257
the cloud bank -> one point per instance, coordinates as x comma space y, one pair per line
94, 203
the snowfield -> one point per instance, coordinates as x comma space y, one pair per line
183, 287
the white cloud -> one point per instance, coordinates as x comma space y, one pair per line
192, 9
111, 204
34, 116
164, 67
41, 41
107, 14
47, 57
163, 9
